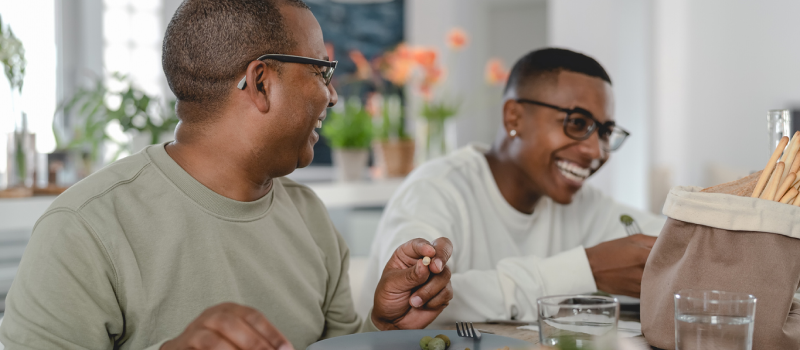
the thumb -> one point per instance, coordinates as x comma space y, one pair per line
411, 277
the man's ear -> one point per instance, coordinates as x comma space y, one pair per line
260, 78
512, 113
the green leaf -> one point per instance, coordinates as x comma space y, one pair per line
92, 115
351, 128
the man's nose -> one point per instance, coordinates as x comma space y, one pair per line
593, 147
334, 96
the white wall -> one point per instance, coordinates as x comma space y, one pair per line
720, 65
505, 29
617, 33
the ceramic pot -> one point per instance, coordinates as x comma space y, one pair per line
395, 158
350, 164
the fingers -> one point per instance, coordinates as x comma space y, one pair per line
230, 326
413, 250
442, 299
408, 279
261, 325
436, 292
207, 339
644, 240
444, 249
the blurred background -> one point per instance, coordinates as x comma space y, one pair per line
693, 80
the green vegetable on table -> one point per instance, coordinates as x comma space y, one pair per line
445, 338
437, 344
440, 342
423, 343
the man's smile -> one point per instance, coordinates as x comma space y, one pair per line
572, 171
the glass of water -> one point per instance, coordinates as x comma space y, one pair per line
578, 322
779, 124
710, 319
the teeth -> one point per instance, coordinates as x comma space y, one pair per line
319, 123
570, 176
572, 171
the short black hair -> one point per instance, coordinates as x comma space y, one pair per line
538, 63
209, 42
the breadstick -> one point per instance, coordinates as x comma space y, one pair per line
796, 201
772, 188
792, 194
784, 187
795, 164
791, 141
790, 156
767, 173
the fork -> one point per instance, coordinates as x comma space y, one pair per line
465, 332
630, 225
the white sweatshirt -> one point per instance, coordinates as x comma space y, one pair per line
503, 260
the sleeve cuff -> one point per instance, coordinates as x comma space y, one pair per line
367, 325
567, 273
525, 279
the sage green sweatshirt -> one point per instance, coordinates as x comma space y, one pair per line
128, 257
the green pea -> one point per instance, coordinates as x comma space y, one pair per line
445, 338
423, 343
437, 344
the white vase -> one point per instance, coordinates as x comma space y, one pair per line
350, 164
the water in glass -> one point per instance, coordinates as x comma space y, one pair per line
703, 332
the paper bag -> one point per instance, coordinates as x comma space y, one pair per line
715, 241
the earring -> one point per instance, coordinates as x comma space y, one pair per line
512, 133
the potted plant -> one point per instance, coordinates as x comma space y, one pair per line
393, 146
20, 167
97, 107
348, 130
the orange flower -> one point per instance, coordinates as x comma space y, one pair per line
399, 71
363, 68
398, 65
425, 57
404, 52
432, 76
496, 73
457, 39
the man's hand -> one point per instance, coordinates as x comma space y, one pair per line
618, 265
410, 295
229, 326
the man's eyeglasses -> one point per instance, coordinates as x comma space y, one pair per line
579, 124
327, 66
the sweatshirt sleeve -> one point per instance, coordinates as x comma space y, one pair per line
429, 209
63, 296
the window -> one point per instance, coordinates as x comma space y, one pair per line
35, 28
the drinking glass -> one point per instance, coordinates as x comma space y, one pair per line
779, 124
578, 321
710, 319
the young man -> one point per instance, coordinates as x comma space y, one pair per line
137, 255
518, 213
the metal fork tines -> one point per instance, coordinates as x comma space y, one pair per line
631, 227
470, 332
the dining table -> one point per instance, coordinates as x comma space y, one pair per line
512, 330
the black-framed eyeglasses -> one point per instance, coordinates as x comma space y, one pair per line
579, 124
327, 66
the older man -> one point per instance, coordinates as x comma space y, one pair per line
521, 220
137, 255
